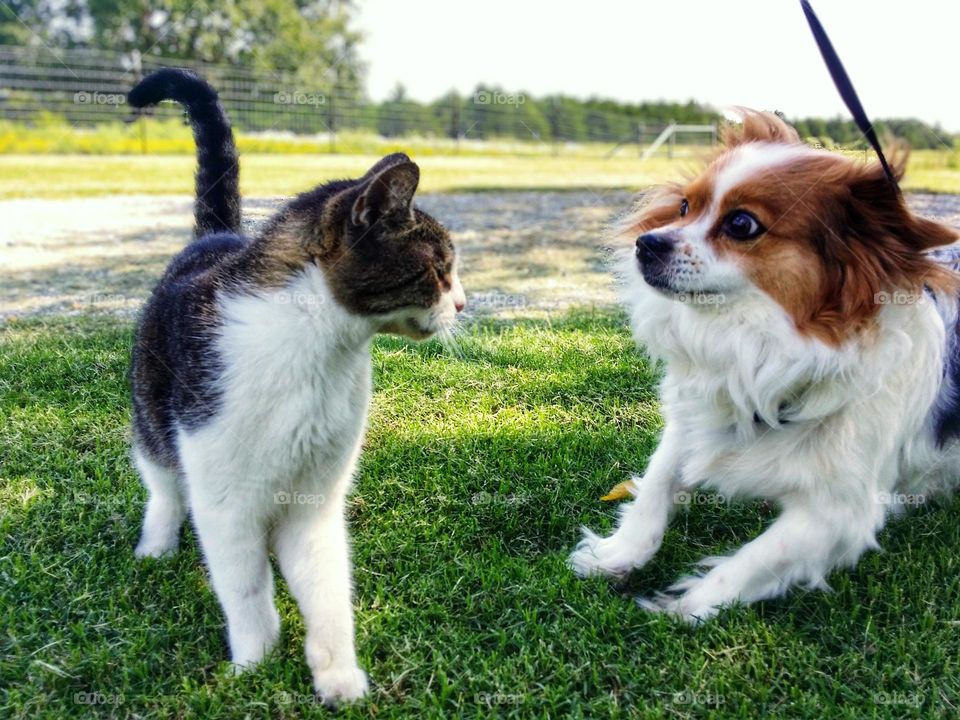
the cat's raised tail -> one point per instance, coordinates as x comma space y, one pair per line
217, 205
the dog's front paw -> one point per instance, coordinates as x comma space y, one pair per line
339, 685
610, 556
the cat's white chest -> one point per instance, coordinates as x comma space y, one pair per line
304, 412
294, 391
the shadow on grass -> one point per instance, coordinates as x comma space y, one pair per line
469, 497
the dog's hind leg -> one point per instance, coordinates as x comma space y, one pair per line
801, 547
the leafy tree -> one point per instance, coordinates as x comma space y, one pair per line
399, 115
62, 23
312, 38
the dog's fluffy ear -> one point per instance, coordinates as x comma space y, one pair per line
873, 198
758, 126
656, 209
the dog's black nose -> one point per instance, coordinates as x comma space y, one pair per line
653, 246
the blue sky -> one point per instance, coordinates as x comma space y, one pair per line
902, 56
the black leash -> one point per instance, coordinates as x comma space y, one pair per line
845, 87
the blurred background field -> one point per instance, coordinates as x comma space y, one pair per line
287, 173
65, 128
268, 175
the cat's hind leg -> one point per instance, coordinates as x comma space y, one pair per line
165, 509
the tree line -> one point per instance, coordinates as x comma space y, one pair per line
491, 111
316, 41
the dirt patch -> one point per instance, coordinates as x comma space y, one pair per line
526, 253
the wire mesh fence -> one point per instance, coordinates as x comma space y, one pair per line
88, 87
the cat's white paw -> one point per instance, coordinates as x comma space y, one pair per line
250, 647
240, 669
155, 547
240, 665
610, 556
339, 685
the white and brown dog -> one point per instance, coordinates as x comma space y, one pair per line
812, 359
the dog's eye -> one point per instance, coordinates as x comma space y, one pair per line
684, 207
741, 225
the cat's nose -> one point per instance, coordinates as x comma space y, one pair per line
459, 296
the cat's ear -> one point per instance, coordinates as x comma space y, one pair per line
385, 162
389, 193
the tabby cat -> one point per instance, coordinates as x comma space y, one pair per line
251, 380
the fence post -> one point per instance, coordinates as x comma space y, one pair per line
331, 117
554, 120
137, 64
455, 130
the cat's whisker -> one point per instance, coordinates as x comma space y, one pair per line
448, 339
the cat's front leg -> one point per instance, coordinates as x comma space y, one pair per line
643, 521
801, 547
314, 554
234, 545
231, 512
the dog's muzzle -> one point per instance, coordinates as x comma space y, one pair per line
653, 254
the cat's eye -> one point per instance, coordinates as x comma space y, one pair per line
742, 225
443, 274
684, 207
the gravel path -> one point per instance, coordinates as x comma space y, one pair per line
526, 253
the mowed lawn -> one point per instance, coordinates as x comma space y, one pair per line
479, 467
262, 175
267, 175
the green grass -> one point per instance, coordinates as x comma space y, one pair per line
477, 472
52, 159
267, 175
54, 136
59, 176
